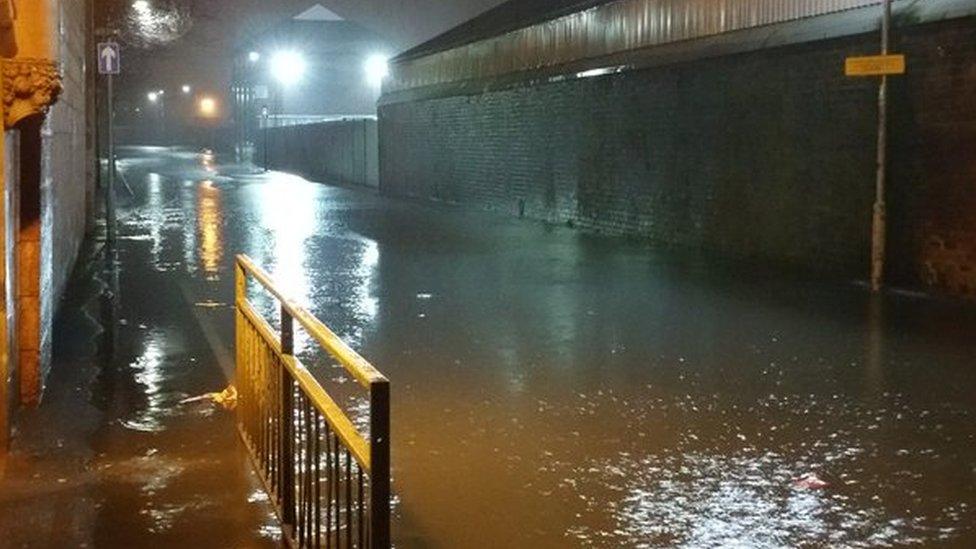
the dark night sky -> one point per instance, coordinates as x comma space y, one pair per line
201, 57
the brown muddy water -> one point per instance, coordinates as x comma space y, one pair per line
558, 389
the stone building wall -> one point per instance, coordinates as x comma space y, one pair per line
766, 155
66, 183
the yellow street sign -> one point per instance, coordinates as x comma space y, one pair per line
875, 65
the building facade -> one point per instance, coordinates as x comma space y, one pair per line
47, 184
331, 81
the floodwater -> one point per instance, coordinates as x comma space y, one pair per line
557, 389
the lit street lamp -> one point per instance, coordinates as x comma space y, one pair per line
253, 57
377, 68
287, 67
207, 107
187, 89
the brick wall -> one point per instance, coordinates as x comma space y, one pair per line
342, 151
766, 155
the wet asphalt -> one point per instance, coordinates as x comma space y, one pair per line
550, 388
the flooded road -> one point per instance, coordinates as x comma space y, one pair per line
558, 389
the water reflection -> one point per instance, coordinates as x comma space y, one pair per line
148, 371
731, 483
156, 214
874, 361
365, 303
287, 219
210, 227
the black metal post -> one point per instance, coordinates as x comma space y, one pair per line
287, 449
110, 174
379, 451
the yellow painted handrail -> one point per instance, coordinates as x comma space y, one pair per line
296, 433
310, 386
356, 365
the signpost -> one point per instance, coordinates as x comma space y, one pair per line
109, 65
879, 65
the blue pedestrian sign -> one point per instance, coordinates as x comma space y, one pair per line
109, 58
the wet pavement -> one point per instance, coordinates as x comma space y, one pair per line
111, 458
550, 388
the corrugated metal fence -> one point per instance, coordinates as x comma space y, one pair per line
603, 30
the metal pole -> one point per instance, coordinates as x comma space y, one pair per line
162, 119
879, 221
287, 442
110, 179
379, 474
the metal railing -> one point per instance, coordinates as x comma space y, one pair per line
329, 483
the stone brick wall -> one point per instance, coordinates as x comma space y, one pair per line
767, 155
66, 182
343, 151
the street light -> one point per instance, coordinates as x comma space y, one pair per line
140, 5
377, 68
287, 67
254, 57
187, 89
207, 107
152, 96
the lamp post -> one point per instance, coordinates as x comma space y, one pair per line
158, 98
264, 117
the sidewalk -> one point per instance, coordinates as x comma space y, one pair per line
110, 458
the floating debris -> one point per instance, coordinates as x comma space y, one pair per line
810, 481
226, 398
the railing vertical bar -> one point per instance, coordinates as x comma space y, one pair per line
335, 488
348, 499
379, 449
268, 431
287, 462
299, 469
274, 427
359, 507
318, 480
274, 430
240, 286
308, 470
297, 448
328, 487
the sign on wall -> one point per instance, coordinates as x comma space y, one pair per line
875, 65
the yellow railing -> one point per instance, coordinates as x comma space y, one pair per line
330, 483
